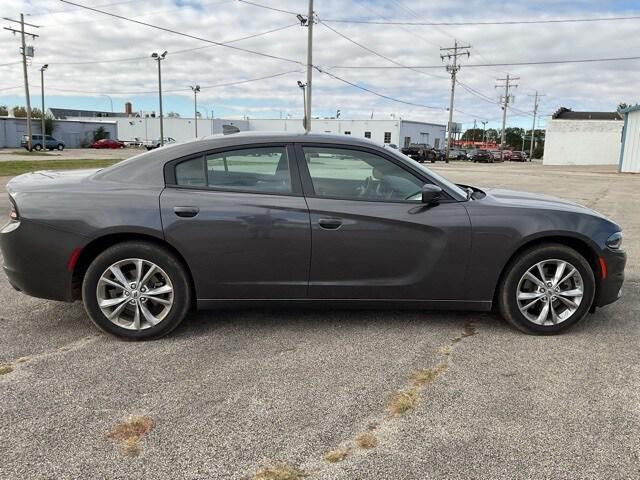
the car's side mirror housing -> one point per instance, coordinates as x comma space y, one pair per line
431, 194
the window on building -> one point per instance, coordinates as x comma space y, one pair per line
387, 137
261, 170
347, 132
407, 141
357, 175
367, 134
436, 143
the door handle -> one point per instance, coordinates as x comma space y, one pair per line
330, 223
186, 212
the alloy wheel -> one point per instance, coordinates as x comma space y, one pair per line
550, 292
135, 294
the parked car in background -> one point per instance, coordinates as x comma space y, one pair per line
483, 156
457, 154
497, 156
150, 145
421, 152
107, 143
518, 156
50, 143
302, 219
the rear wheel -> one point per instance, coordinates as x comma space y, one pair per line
37, 147
136, 290
546, 290
60, 147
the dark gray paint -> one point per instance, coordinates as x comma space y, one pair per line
272, 247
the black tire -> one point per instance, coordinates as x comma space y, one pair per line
507, 290
37, 147
163, 258
60, 147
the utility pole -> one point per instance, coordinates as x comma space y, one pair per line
159, 58
484, 130
308, 22
24, 69
44, 133
452, 55
474, 132
196, 90
505, 103
533, 128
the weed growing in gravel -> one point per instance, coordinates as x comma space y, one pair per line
468, 329
425, 376
403, 400
445, 351
279, 471
336, 455
4, 369
129, 433
367, 440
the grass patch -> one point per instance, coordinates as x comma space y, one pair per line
33, 154
17, 167
336, 455
4, 369
279, 471
367, 440
129, 433
403, 400
425, 376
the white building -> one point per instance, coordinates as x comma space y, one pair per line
396, 131
583, 138
630, 150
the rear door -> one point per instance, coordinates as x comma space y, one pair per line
372, 238
239, 218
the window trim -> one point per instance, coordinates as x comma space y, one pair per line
307, 182
296, 185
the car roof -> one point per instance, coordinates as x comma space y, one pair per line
143, 169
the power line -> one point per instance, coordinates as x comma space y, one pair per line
8, 64
503, 64
490, 22
194, 37
381, 95
176, 52
268, 7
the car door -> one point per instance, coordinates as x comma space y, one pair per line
372, 237
239, 219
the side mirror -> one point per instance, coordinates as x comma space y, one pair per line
431, 194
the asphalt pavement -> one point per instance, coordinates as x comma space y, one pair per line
233, 392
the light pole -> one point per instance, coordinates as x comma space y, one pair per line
305, 120
196, 90
44, 133
484, 131
159, 58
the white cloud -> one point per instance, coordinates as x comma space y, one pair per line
69, 34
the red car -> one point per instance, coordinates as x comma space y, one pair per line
107, 143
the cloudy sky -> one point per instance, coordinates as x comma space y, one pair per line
94, 59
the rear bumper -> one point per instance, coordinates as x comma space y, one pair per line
610, 287
35, 259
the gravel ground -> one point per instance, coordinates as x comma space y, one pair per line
233, 391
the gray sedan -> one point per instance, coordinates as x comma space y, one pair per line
306, 219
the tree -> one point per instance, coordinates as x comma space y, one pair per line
4, 111
36, 113
19, 112
100, 133
173, 115
472, 134
49, 125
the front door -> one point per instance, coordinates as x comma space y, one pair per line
240, 221
372, 238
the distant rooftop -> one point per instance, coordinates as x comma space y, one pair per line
63, 113
567, 114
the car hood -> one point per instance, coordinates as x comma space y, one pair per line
537, 200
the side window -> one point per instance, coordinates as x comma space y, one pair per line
357, 175
262, 170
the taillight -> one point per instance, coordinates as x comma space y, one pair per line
13, 211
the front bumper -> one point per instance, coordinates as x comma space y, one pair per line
610, 286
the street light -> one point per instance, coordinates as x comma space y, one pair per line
44, 133
159, 58
484, 131
196, 90
303, 86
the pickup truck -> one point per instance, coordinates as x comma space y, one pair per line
421, 152
151, 144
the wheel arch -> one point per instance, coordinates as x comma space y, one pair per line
98, 245
580, 245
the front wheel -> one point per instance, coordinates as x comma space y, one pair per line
546, 290
136, 290
60, 147
37, 147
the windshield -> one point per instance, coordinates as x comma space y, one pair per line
452, 188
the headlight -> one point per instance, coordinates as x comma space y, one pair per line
614, 241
